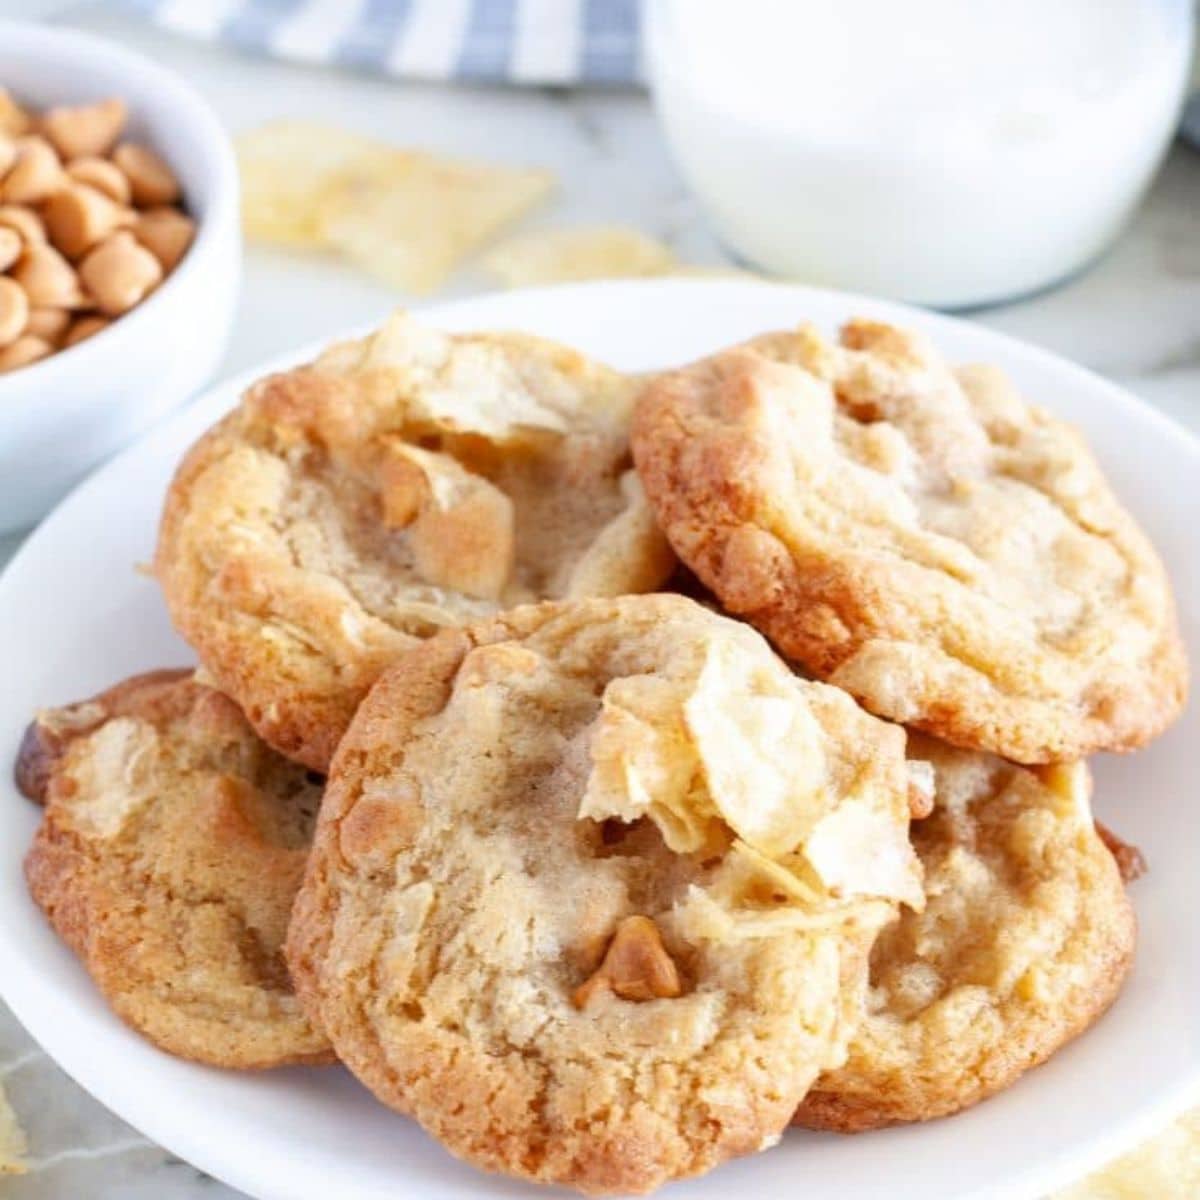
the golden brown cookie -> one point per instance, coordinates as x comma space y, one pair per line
170, 851
1026, 937
591, 886
398, 485
920, 536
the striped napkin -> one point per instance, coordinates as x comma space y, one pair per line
477, 41
526, 42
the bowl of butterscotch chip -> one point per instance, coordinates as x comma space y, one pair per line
119, 255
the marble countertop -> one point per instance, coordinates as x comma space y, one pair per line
1134, 317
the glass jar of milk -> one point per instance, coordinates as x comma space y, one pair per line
946, 152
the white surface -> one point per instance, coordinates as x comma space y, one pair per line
939, 152
61, 416
1134, 317
74, 615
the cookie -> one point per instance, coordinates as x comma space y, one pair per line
171, 848
398, 485
591, 886
1025, 939
920, 536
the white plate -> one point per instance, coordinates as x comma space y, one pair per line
75, 616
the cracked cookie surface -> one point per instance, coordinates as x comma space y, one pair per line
169, 853
411, 481
591, 888
1025, 940
921, 536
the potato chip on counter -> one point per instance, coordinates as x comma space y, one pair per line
406, 216
1167, 1167
12, 1140
411, 218
286, 167
573, 255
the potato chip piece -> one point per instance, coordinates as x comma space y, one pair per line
761, 750
1166, 1167
286, 169
566, 255
12, 1140
857, 851
410, 218
730, 749
643, 764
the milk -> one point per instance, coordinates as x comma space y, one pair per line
948, 152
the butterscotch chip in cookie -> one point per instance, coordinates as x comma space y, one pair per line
921, 536
591, 887
171, 848
1026, 937
398, 485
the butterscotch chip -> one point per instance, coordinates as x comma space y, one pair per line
24, 222
1025, 940
10, 247
118, 273
151, 180
35, 174
14, 311
83, 328
166, 233
26, 350
396, 486
49, 324
539, 800
636, 966
102, 175
921, 536
172, 844
46, 277
85, 129
78, 217
1129, 859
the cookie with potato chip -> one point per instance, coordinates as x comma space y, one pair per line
592, 886
171, 848
399, 484
922, 536
1026, 937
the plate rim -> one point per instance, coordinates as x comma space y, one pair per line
1076, 1160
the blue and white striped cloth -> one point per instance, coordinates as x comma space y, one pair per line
481, 41
476, 41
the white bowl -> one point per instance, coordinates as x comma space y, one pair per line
75, 617
63, 415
